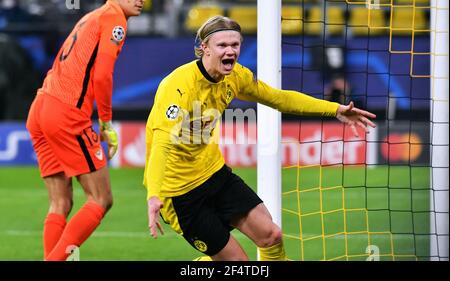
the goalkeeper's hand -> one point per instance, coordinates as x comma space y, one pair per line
108, 134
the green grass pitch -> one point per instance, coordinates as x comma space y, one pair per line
388, 193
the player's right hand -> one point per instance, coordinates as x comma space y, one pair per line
154, 205
108, 134
352, 116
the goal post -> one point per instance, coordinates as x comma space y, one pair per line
439, 89
269, 120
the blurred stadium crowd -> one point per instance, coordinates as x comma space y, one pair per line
52, 20
172, 17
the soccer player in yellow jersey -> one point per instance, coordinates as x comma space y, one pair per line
187, 180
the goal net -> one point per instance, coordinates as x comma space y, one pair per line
383, 195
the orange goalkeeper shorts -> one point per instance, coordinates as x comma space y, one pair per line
63, 138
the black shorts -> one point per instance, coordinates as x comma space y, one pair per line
205, 213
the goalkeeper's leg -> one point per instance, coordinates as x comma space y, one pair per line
61, 200
257, 224
97, 188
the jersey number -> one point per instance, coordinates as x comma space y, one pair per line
63, 56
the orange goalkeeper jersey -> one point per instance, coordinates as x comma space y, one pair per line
83, 69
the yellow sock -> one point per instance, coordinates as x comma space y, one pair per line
273, 253
203, 258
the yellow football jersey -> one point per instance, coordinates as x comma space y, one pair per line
181, 136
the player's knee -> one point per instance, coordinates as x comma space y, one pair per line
106, 202
61, 206
277, 236
109, 203
272, 237
103, 200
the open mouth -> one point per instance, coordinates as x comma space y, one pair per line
228, 63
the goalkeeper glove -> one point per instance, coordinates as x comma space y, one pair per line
108, 134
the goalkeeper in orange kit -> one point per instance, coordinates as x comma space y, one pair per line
59, 122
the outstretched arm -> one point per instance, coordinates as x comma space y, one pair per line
287, 101
294, 102
352, 116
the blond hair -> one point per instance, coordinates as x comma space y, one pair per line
212, 25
